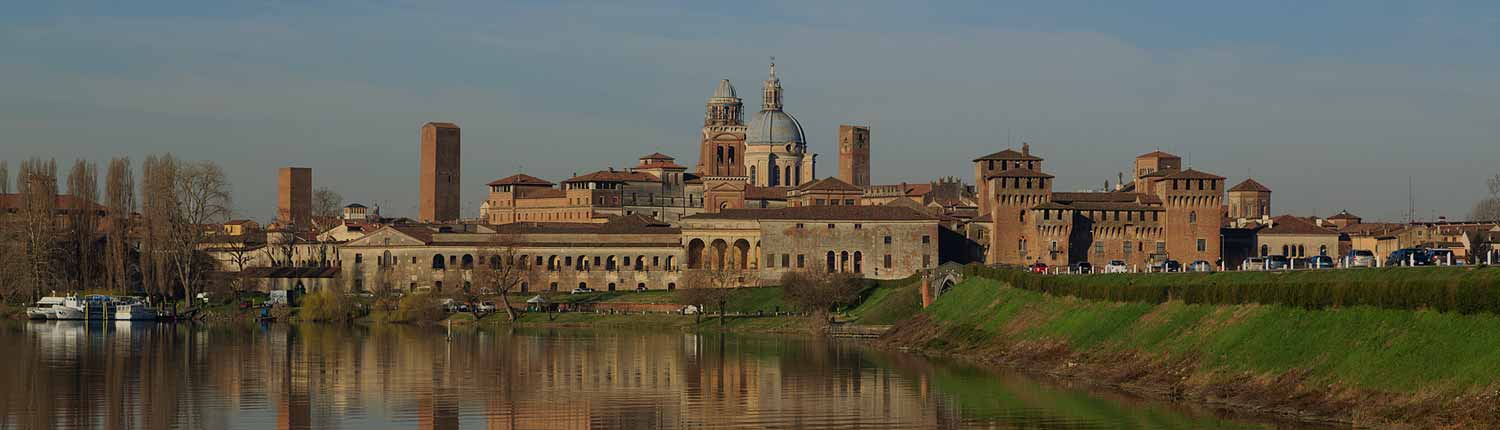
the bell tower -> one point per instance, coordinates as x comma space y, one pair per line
854, 155
722, 148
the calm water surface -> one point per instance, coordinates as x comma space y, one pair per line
147, 375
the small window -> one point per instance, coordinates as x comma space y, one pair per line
830, 226
859, 226
1202, 245
799, 225
926, 239
887, 240
801, 261
786, 260
1099, 248
888, 261
926, 260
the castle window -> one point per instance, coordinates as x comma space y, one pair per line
926, 240
1022, 216
830, 226
1174, 184
1099, 247
887, 240
1193, 217
1202, 245
859, 226
786, 260
801, 261
1046, 215
1126, 247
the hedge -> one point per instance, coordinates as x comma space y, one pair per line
1464, 290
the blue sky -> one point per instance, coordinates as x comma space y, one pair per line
1333, 105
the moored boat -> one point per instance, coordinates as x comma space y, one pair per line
134, 310
46, 308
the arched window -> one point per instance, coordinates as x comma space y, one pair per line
858, 262
1301, 251
671, 286
1286, 251
525, 287
640, 286
830, 262
467, 262
1193, 217
1021, 216
611, 286
1265, 250
752, 174
387, 260
1322, 249
437, 262
720, 156
844, 261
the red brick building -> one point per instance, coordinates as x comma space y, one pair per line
440, 189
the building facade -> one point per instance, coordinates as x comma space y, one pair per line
722, 148
775, 148
877, 242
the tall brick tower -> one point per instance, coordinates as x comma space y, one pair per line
1014, 190
294, 196
1194, 203
854, 155
440, 172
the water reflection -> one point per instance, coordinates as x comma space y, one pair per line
146, 375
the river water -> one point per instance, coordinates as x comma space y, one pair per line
120, 375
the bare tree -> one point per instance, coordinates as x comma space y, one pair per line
202, 196
158, 207
326, 205
83, 223
281, 246
712, 286
37, 226
821, 293
1488, 208
119, 189
498, 271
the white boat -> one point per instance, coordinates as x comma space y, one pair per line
45, 309
70, 309
134, 311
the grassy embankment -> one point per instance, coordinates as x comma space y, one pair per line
1365, 364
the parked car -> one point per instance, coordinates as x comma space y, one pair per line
1171, 266
1441, 257
1298, 263
581, 290
1116, 266
1082, 268
1253, 264
1201, 266
1320, 262
487, 307
639, 288
1038, 267
1359, 258
1277, 262
1409, 257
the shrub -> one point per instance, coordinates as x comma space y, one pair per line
328, 305
419, 308
1461, 290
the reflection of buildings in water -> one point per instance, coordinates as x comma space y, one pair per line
315, 376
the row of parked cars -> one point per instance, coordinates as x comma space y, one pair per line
1119, 266
1355, 258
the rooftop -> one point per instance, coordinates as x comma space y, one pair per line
1250, 185
521, 179
1193, 174
1009, 154
1019, 172
614, 176
821, 213
1293, 225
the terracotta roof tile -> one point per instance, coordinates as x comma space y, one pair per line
766, 193
1292, 225
831, 213
521, 179
1158, 154
829, 184
1250, 185
1193, 174
614, 176
1009, 154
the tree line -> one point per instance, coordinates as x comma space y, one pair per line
143, 237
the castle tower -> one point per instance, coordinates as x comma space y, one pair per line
440, 188
1013, 194
775, 151
1249, 200
722, 148
294, 196
1194, 213
1002, 161
854, 155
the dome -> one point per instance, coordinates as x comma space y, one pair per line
773, 127
725, 90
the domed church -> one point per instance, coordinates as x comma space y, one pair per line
771, 151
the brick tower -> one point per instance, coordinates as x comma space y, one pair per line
1013, 191
1194, 213
854, 155
294, 196
440, 189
